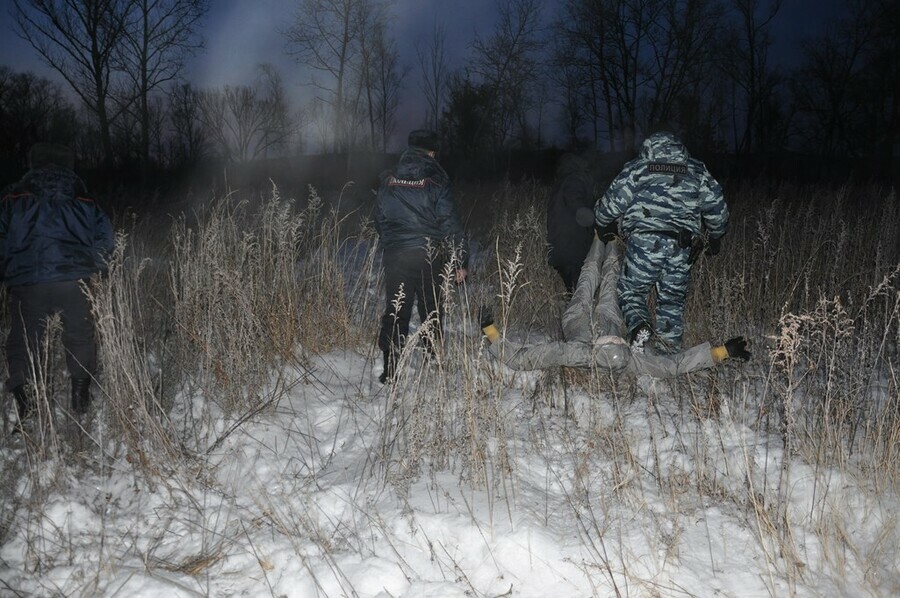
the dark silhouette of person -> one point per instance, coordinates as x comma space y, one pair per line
52, 237
420, 231
570, 217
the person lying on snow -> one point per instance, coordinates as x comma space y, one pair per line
593, 332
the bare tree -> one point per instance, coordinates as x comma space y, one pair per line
435, 74
388, 76
506, 62
325, 36
637, 61
831, 70
746, 65
371, 17
188, 141
248, 122
318, 118
78, 39
31, 109
573, 112
159, 35
622, 51
847, 88
882, 111
578, 58
684, 45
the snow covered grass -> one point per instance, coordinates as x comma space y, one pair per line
243, 445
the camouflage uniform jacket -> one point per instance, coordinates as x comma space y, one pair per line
664, 190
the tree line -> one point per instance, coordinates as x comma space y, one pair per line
592, 73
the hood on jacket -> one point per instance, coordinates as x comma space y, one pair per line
664, 146
415, 163
51, 182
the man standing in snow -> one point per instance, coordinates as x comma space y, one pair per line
52, 237
670, 207
420, 231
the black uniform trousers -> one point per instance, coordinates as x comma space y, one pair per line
30, 307
410, 276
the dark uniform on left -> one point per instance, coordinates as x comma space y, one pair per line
420, 230
52, 237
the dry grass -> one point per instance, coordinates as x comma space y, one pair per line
245, 288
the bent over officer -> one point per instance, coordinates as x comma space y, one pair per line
670, 208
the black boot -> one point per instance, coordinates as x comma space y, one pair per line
81, 395
390, 366
24, 403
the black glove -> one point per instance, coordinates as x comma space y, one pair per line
607, 233
713, 245
696, 249
485, 316
737, 348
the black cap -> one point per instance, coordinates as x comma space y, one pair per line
425, 139
44, 154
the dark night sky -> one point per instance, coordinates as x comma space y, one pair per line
243, 33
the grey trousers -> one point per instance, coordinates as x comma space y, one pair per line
30, 307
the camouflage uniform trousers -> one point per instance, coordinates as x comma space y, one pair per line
653, 259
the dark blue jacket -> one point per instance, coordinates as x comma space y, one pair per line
415, 205
51, 232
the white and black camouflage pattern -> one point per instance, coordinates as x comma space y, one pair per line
665, 199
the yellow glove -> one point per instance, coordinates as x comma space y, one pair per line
734, 347
486, 317
719, 354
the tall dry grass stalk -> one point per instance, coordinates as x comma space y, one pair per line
429, 407
235, 295
519, 233
130, 383
811, 277
337, 277
448, 412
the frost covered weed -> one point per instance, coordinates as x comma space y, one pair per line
43, 434
336, 275
131, 392
234, 293
256, 289
829, 397
810, 280
816, 287
831, 380
442, 411
519, 234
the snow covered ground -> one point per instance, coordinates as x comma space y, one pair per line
334, 492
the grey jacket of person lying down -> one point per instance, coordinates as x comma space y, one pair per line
593, 331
